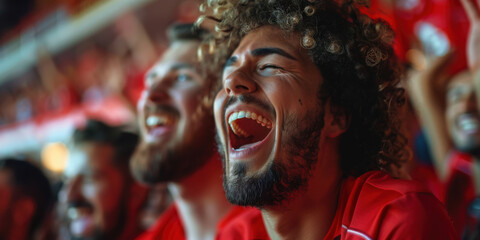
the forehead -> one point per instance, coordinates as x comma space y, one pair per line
271, 36
184, 51
98, 154
89, 156
461, 79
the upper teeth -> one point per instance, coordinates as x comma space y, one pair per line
469, 124
156, 120
246, 114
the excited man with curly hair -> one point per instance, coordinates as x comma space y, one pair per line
307, 123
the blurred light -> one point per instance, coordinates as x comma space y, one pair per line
55, 157
407, 5
76, 162
417, 59
434, 41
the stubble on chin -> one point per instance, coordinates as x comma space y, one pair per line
285, 175
152, 164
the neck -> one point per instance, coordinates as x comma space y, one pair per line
309, 213
201, 200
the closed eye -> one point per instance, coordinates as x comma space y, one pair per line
269, 70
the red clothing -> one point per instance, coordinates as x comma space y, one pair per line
425, 174
169, 225
460, 190
247, 226
372, 206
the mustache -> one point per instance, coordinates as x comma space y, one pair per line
162, 109
248, 99
79, 204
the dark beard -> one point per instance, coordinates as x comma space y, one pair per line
97, 235
154, 164
167, 165
283, 177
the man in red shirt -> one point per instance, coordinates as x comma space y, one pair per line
307, 122
178, 146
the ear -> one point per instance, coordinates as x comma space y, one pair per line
23, 211
336, 121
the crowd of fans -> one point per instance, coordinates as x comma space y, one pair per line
433, 139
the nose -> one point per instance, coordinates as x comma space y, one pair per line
156, 95
73, 189
238, 83
158, 91
472, 101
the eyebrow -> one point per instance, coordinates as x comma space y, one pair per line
267, 51
259, 52
179, 66
175, 67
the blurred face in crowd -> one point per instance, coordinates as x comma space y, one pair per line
174, 117
269, 118
94, 193
463, 119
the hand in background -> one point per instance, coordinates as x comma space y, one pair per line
473, 42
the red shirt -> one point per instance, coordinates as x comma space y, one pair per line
372, 206
460, 190
169, 225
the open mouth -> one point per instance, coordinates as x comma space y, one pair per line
469, 123
247, 129
81, 221
159, 124
158, 120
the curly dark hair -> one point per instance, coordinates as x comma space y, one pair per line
123, 142
355, 56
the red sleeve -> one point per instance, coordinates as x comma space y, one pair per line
416, 216
459, 188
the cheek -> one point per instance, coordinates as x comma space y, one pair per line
218, 107
291, 96
450, 115
186, 100
141, 101
105, 194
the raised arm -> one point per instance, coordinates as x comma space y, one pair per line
426, 91
473, 42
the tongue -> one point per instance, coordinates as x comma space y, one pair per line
255, 131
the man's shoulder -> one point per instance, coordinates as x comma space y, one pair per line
246, 225
168, 225
378, 182
373, 194
382, 207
